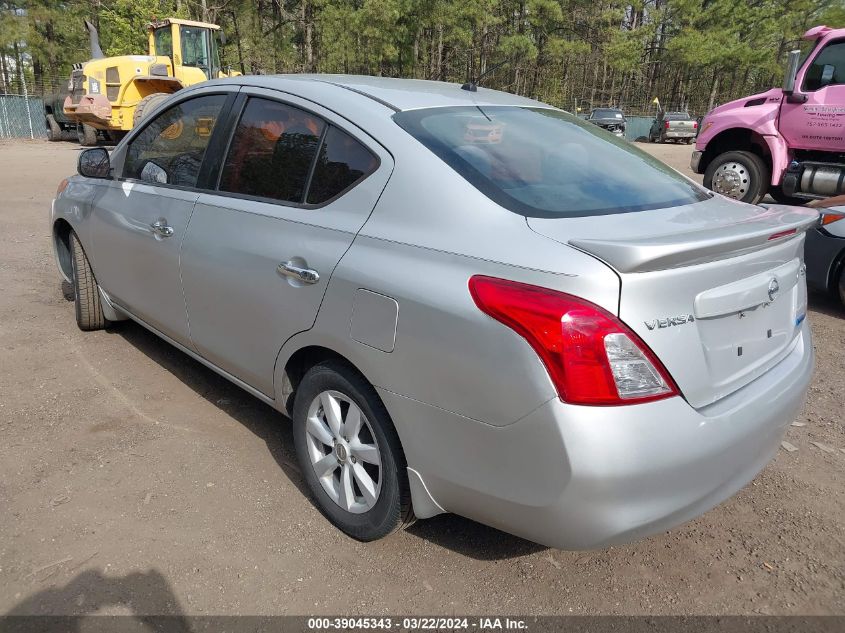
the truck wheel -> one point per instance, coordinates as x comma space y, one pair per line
739, 175
146, 105
86, 135
86, 295
54, 130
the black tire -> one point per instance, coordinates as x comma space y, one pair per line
691, 140
54, 130
89, 310
842, 285
751, 173
147, 105
86, 135
781, 198
392, 509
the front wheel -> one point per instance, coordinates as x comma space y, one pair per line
86, 294
54, 130
86, 135
349, 452
739, 175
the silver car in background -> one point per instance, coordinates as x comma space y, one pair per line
467, 301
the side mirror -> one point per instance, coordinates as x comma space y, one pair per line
791, 71
94, 163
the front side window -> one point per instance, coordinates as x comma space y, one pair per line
541, 162
195, 48
171, 148
163, 38
272, 152
827, 69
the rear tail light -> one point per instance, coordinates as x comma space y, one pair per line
591, 356
695, 125
667, 125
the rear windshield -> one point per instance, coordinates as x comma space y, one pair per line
677, 116
541, 162
606, 114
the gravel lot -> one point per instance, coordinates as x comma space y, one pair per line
133, 479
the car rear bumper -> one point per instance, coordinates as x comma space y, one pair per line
821, 252
578, 477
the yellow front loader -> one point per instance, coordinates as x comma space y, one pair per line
111, 94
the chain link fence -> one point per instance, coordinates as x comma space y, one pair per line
22, 116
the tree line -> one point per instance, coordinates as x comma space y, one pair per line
575, 54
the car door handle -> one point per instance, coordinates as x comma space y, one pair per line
305, 275
160, 227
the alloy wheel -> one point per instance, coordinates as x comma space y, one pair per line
343, 451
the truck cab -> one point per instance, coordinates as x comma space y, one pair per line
788, 142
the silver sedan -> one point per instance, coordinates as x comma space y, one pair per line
466, 301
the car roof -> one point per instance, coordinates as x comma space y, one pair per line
396, 94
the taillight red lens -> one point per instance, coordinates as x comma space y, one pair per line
695, 125
574, 339
667, 125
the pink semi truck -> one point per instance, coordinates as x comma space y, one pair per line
788, 142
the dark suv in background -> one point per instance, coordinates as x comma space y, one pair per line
611, 119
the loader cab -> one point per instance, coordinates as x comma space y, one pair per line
193, 48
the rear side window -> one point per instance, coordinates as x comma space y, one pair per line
171, 148
341, 163
272, 151
286, 154
541, 162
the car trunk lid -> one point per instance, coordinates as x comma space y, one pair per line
716, 288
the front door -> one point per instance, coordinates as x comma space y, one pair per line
139, 219
819, 122
295, 188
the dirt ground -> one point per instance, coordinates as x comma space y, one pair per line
133, 479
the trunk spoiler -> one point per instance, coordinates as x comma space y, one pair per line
643, 254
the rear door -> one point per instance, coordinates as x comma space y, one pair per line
139, 219
296, 185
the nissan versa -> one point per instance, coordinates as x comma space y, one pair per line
466, 301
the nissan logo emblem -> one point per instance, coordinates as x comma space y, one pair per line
774, 289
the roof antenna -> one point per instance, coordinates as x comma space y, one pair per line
472, 84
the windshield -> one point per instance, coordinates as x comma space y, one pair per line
606, 114
541, 162
195, 48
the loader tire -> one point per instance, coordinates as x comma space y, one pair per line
147, 105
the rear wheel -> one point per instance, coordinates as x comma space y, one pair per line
739, 175
54, 130
349, 452
86, 295
86, 135
147, 105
